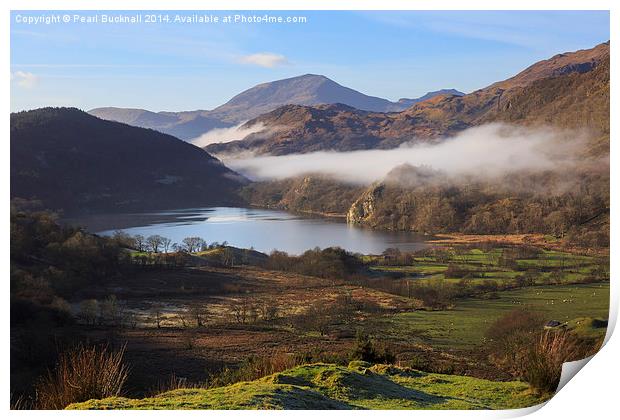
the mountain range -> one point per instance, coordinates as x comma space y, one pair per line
567, 90
308, 89
69, 160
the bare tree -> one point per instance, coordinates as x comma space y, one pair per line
198, 312
155, 243
157, 311
268, 310
166, 243
182, 315
241, 310
193, 244
140, 243
123, 239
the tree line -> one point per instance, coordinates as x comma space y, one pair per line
160, 244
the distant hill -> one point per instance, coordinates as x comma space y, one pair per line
73, 161
183, 125
308, 89
406, 103
304, 129
568, 90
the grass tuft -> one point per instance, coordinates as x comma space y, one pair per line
81, 374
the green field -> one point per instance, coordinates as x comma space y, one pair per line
547, 267
464, 325
326, 386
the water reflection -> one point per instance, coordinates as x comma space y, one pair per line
264, 230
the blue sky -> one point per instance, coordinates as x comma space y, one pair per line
180, 66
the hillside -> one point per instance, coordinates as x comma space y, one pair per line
308, 89
577, 100
314, 194
73, 161
409, 199
324, 386
181, 125
304, 129
570, 90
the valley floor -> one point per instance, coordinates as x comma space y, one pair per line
316, 320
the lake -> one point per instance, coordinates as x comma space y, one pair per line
265, 230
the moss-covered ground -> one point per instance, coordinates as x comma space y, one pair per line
327, 386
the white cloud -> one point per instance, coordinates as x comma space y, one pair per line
25, 79
221, 135
266, 59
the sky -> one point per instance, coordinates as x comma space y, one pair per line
173, 65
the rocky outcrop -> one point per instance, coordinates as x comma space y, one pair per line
363, 209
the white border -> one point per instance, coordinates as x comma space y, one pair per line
591, 395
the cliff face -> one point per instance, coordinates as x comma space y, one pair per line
362, 211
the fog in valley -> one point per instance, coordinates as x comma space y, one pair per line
223, 135
487, 151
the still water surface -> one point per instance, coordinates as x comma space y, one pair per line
265, 230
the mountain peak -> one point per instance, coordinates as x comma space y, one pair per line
313, 76
306, 89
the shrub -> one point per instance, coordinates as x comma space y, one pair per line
520, 346
510, 334
434, 295
365, 349
317, 317
81, 374
88, 311
543, 363
330, 263
455, 271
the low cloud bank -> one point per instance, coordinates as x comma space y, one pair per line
487, 151
220, 135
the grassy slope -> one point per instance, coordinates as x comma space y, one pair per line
324, 386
